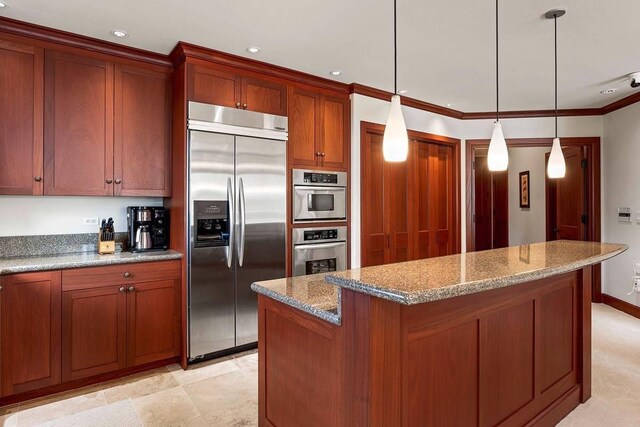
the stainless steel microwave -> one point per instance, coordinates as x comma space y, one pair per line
319, 196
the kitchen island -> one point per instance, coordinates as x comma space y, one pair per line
499, 337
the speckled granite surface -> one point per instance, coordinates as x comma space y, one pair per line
311, 294
433, 279
88, 259
55, 244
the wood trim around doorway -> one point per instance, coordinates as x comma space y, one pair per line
592, 146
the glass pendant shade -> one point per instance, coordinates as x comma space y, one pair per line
395, 143
498, 157
556, 167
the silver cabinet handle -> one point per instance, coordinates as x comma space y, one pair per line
127, 274
118, 180
237, 105
122, 290
231, 221
131, 289
38, 178
244, 106
243, 223
109, 181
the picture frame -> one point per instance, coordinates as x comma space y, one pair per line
525, 190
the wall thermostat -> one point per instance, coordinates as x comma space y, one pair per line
624, 214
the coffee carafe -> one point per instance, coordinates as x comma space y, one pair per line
143, 237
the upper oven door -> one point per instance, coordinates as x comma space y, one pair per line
312, 203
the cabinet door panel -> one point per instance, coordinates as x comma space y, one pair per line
78, 120
153, 319
335, 132
213, 86
93, 332
374, 237
142, 157
303, 127
21, 82
263, 96
30, 306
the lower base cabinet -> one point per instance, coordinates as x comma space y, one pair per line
61, 326
30, 332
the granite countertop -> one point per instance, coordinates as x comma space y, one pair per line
433, 279
311, 294
78, 260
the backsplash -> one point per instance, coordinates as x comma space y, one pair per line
43, 245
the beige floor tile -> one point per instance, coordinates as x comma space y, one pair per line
9, 419
227, 400
247, 363
139, 385
119, 414
170, 407
40, 411
203, 370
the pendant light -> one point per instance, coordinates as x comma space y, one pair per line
556, 167
498, 156
395, 143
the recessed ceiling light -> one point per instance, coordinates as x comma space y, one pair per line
253, 49
335, 73
449, 105
403, 91
119, 33
2, 5
607, 91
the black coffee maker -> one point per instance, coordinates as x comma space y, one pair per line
148, 228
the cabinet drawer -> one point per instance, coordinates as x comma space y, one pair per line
91, 277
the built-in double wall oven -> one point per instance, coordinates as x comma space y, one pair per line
319, 196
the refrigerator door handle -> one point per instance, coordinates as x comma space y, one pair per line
230, 201
243, 223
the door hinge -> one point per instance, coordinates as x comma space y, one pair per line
584, 218
583, 163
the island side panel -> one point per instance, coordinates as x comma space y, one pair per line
585, 332
299, 377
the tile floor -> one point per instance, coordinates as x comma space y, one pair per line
224, 392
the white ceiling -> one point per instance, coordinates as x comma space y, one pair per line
446, 48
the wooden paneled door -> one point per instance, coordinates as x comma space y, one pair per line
78, 153
264, 96
335, 132
304, 130
491, 216
142, 132
410, 210
565, 197
30, 328
21, 109
153, 321
93, 331
212, 86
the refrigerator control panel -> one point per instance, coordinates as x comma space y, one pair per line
212, 223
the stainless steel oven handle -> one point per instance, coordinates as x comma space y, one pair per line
243, 223
321, 245
320, 189
231, 221
310, 202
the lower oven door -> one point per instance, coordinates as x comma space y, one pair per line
319, 258
319, 203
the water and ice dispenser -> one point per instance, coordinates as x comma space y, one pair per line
211, 223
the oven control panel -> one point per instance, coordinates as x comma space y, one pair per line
320, 178
330, 234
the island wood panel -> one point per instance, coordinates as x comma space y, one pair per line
21, 109
507, 357
264, 96
142, 132
93, 332
212, 86
30, 331
78, 153
153, 321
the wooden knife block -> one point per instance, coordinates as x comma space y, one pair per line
106, 246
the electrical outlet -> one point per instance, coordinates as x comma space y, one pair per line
90, 221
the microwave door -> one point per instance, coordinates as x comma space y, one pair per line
318, 203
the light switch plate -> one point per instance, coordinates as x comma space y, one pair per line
90, 221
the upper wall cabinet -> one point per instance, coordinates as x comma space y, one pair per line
318, 130
21, 82
218, 87
106, 128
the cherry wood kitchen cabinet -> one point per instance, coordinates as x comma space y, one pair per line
220, 87
142, 132
30, 331
119, 316
21, 109
78, 125
410, 210
107, 128
318, 130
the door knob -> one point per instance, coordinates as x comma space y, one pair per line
38, 178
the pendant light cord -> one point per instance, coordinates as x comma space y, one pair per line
555, 46
395, 50
497, 70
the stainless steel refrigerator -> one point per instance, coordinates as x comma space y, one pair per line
237, 215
